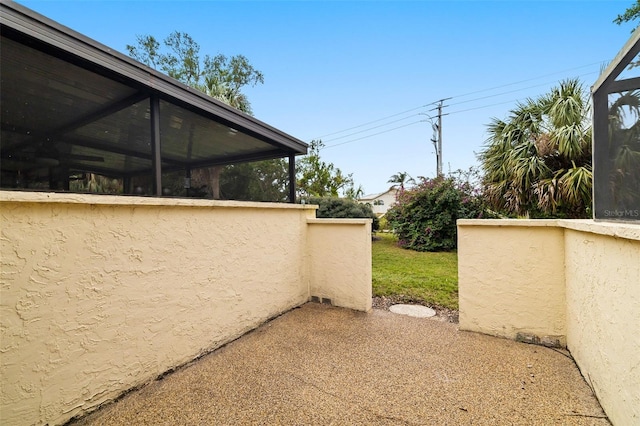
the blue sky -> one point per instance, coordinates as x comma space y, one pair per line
335, 65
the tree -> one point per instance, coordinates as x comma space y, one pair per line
354, 193
333, 207
399, 179
219, 76
631, 14
259, 181
316, 178
538, 161
223, 78
424, 217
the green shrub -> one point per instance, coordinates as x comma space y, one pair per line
333, 207
424, 217
383, 224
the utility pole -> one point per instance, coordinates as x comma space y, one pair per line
438, 143
439, 168
435, 140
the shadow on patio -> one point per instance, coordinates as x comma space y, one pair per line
323, 365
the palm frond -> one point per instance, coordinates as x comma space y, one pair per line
575, 186
570, 140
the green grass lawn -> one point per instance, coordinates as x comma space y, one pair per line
428, 277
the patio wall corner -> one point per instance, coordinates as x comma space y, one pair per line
101, 294
603, 312
511, 279
333, 280
577, 278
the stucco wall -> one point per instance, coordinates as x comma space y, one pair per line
331, 241
100, 294
511, 279
596, 274
603, 331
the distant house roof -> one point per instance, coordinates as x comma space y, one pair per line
370, 197
89, 108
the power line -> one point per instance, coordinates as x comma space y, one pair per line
370, 128
409, 124
371, 122
513, 91
503, 93
484, 106
468, 94
375, 134
449, 113
527, 80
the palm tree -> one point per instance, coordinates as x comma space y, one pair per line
537, 162
354, 193
224, 92
399, 179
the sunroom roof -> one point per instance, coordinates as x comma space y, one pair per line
71, 100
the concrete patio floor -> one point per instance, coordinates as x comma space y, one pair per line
320, 365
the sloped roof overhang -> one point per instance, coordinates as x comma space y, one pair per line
110, 114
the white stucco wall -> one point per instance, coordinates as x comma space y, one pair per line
99, 294
510, 279
331, 241
525, 267
603, 327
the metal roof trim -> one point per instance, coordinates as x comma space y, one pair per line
619, 63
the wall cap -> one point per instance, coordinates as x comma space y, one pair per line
618, 230
508, 222
333, 221
131, 200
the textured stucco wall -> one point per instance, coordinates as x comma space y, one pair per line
100, 294
603, 327
510, 279
331, 241
599, 285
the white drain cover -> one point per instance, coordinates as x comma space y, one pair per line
413, 310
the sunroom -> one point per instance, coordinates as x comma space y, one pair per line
73, 109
